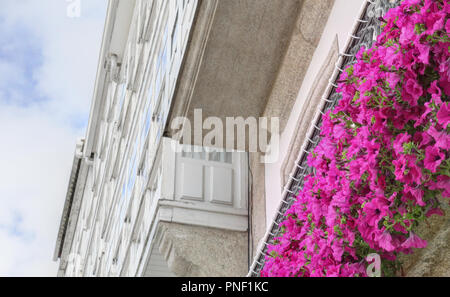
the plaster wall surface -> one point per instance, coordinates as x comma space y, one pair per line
197, 251
340, 22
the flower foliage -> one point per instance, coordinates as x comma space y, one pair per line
383, 161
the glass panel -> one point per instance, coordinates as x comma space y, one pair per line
215, 156
229, 157
186, 152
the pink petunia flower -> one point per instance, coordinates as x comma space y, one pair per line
442, 183
413, 91
434, 22
385, 241
435, 211
375, 210
414, 194
442, 139
399, 141
433, 158
424, 53
414, 241
435, 92
443, 115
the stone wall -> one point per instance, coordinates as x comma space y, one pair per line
434, 260
193, 251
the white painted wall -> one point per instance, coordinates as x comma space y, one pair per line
341, 20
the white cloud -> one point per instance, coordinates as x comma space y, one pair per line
36, 158
47, 70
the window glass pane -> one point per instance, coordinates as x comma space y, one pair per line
215, 156
229, 157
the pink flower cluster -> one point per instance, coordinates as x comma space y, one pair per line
383, 161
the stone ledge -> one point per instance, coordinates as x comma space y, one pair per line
192, 251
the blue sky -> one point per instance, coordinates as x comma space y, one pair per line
48, 63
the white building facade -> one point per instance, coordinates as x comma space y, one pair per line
128, 179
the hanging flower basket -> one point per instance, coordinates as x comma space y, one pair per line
383, 162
